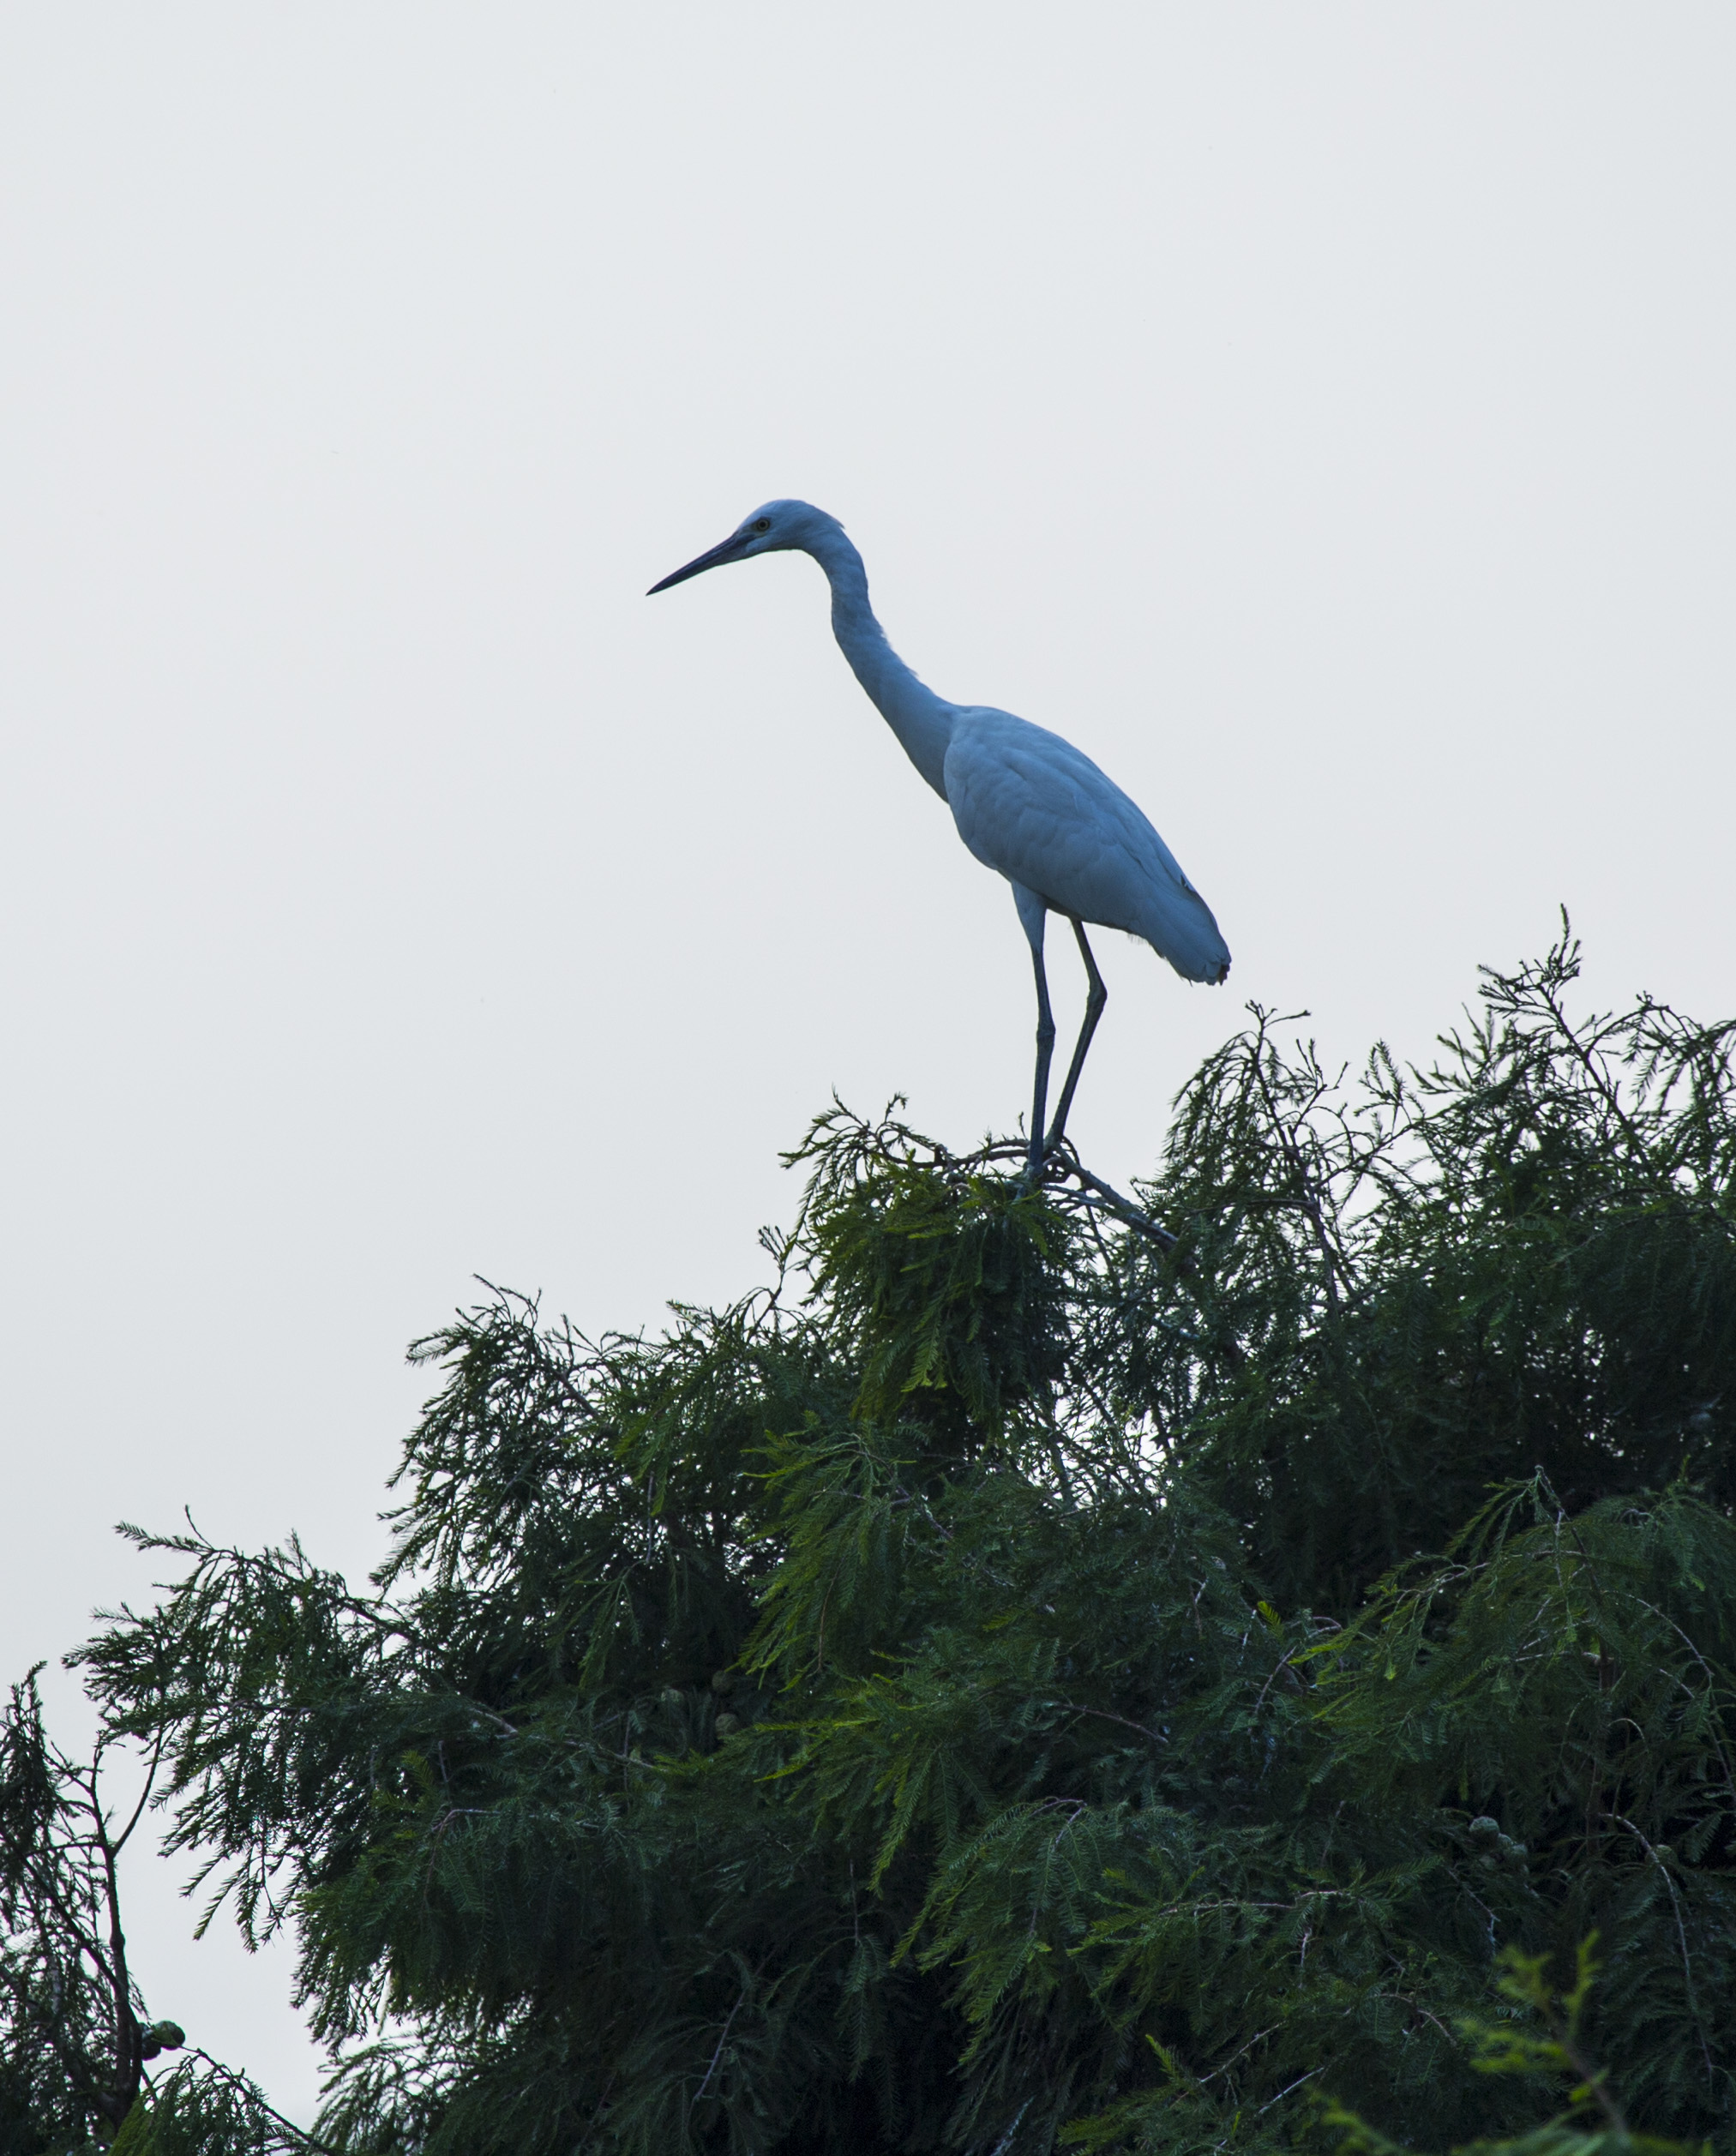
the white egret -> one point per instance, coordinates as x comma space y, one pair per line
1026, 802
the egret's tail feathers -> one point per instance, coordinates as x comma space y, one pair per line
1188, 938
1212, 973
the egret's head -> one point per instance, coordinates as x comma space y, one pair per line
775, 527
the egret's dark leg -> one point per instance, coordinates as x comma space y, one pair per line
1033, 915
1045, 1049
1095, 999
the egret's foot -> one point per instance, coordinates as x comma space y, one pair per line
1031, 1174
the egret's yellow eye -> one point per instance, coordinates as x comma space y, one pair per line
762, 524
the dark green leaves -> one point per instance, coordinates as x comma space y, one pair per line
1014, 1685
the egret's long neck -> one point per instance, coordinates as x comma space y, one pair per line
921, 720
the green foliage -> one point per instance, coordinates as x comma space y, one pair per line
943, 1284
202, 2107
74, 2037
1013, 1684
1545, 2042
82, 2067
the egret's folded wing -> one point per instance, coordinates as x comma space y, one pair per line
1031, 805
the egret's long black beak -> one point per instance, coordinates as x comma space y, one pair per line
730, 551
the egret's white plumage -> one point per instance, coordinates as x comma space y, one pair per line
1026, 802
1039, 810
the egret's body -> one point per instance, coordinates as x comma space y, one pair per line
1027, 803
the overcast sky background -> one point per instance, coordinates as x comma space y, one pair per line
1322, 415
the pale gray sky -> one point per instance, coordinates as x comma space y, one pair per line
1321, 415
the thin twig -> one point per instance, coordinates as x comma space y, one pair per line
1681, 1932
1284, 2092
1102, 1714
302, 2138
722, 2036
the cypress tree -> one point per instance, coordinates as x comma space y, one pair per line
1020, 1682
